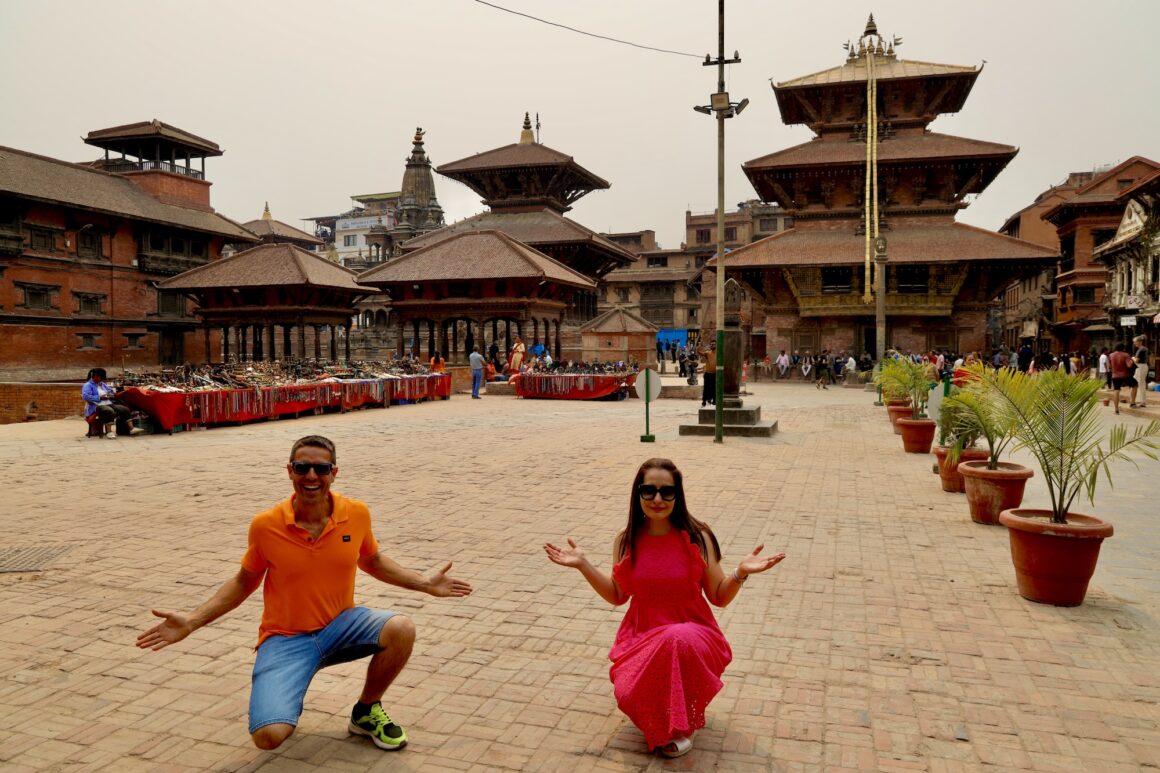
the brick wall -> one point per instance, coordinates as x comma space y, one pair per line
20, 400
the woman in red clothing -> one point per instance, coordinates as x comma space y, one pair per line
669, 653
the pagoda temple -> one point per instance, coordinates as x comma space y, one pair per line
810, 287
528, 187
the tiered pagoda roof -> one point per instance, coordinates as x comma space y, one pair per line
526, 174
528, 187
923, 177
270, 230
473, 255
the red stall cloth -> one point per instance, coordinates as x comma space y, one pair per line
238, 406
571, 386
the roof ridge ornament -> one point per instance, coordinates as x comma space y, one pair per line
266, 212
871, 27
526, 136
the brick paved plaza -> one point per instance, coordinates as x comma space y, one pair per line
891, 638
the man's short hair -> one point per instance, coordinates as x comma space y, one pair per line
315, 441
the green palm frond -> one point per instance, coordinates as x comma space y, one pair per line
1055, 417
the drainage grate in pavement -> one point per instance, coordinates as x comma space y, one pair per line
30, 559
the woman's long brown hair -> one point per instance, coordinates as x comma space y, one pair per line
680, 518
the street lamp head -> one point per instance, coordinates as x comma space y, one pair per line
741, 106
703, 109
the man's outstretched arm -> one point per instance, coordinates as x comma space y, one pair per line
174, 627
437, 583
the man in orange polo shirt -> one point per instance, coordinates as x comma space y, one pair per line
304, 552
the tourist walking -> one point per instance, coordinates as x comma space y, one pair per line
303, 552
1104, 370
669, 652
709, 390
477, 361
822, 370
1141, 375
1122, 366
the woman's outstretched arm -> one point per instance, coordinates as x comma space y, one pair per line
574, 558
721, 588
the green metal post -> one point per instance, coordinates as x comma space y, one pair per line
647, 437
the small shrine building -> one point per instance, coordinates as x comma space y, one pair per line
476, 287
250, 295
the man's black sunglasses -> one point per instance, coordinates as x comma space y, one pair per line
649, 491
304, 468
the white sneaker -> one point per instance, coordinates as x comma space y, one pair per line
111, 435
135, 431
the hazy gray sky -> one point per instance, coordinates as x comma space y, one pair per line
316, 101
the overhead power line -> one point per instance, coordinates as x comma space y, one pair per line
589, 34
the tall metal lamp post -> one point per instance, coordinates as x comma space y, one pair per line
720, 106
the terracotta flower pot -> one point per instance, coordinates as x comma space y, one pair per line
990, 492
1054, 561
948, 474
903, 401
897, 412
917, 434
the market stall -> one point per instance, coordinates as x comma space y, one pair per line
573, 386
172, 407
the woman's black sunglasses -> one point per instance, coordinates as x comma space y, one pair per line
648, 491
304, 468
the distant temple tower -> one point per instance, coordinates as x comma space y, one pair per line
417, 211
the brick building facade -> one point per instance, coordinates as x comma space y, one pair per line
82, 247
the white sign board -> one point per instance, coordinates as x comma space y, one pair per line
648, 385
1127, 321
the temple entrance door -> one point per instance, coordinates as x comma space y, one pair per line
171, 347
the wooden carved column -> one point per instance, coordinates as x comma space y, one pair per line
333, 342
346, 342
287, 343
302, 339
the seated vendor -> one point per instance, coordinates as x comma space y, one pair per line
98, 397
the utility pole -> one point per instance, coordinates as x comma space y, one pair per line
720, 105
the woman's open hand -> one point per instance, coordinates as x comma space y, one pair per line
754, 563
571, 556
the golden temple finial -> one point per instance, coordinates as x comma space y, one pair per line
526, 136
418, 135
871, 27
266, 212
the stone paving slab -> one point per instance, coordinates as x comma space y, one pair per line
891, 638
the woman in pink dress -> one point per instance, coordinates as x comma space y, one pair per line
669, 653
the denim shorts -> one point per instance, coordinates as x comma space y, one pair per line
286, 664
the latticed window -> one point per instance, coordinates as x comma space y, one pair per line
913, 279
656, 292
837, 279
170, 304
90, 304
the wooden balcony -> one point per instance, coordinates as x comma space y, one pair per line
852, 305
11, 244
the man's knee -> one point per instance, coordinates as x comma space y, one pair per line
399, 631
271, 736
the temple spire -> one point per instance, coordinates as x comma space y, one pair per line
266, 212
526, 136
871, 27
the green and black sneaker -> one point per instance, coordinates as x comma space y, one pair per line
376, 724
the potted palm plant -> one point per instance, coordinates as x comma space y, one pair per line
901, 376
1056, 419
892, 383
991, 486
959, 437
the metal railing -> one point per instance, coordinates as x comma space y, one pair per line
126, 165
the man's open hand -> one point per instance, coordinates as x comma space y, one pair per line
171, 630
439, 584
